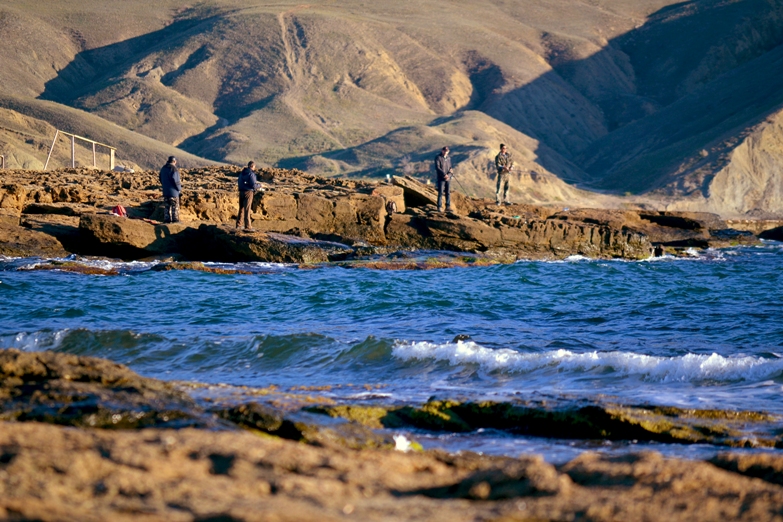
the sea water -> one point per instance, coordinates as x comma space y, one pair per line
698, 332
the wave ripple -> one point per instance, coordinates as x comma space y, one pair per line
687, 368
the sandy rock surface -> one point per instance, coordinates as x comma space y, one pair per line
54, 473
300, 218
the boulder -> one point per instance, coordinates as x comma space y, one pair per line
462, 233
391, 193
114, 236
365, 218
408, 230
86, 391
314, 211
223, 243
755, 226
17, 241
686, 220
64, 228
418, 194
354, 216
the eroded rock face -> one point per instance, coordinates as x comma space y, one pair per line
665, 228
516, 237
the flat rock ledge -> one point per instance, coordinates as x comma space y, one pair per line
87, 439
305, 219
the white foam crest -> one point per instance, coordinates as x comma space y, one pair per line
686, 368
106, 264
33, 341
103, 264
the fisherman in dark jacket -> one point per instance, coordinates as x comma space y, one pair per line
169, 180
247, 188
444, 171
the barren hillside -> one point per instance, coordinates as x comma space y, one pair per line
653, 97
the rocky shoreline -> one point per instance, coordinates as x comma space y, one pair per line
84, 438
309, 220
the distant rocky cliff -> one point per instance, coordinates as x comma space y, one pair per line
306, 219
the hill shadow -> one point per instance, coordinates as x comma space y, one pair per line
695, 53
94, 67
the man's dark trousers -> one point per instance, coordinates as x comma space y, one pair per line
444, 185
245, 204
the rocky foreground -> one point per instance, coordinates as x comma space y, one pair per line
306, 219
86, 439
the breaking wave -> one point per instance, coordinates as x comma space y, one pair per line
685, 368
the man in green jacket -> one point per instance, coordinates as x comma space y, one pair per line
505, 165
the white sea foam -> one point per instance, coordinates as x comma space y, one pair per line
686, 368
34, 341
103, 264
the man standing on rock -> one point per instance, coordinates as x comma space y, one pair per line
505, 165
247, 188
169, 180
444, 171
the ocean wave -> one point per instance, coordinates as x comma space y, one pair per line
79, 341
685, 368
33, 341
206, 353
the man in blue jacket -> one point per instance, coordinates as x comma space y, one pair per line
247, 188
169, 180
444, 171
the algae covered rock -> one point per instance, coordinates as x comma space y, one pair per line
263, 418
568, 421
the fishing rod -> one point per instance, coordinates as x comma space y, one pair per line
454, 177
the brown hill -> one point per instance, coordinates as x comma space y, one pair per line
621, 96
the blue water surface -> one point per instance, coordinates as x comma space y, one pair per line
702, 332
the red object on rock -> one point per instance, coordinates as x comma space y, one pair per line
119, 210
